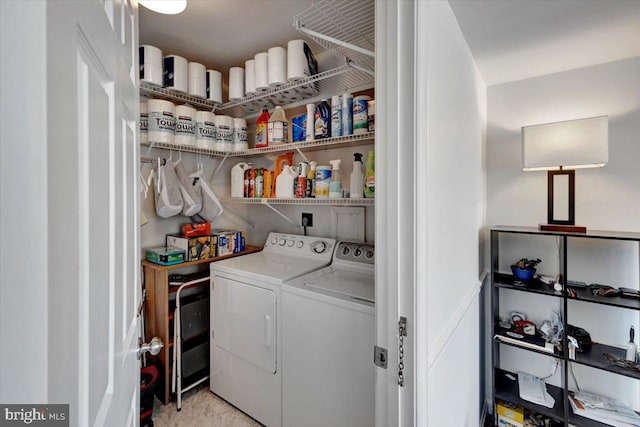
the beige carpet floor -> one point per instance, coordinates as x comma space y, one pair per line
200, 407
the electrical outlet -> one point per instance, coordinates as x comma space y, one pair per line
307, 219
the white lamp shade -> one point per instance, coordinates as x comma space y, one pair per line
572, 144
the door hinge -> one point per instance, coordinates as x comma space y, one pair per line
402, 332
380, 357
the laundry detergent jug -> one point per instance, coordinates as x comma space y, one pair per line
237, 179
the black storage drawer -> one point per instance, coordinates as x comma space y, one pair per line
194, 318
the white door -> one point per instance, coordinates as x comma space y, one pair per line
397, 249
93, 249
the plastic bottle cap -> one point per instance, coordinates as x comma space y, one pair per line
335, 164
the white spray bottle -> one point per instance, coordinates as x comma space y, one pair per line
335, 186
357, 178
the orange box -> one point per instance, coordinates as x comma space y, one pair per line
196, 229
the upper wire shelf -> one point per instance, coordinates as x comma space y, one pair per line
344, 27
148, 89
300, 201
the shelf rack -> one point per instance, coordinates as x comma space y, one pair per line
345, 28
153, 91
504, 388
319, 144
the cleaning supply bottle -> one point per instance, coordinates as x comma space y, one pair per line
632, 348
370, 176
322, 127
311, 180
262, 123
259, 186
247, 179
301, 181
347, 114
237, 179
356, 186
278, 127
335, 186
336, 116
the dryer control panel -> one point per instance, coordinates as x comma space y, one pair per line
355, 252
293, 244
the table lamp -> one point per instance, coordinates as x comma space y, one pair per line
560, 148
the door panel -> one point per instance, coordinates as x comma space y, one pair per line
244, 321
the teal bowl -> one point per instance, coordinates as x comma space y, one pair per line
521, 274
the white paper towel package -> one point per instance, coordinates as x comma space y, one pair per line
262, 71
240, 141
197, 80
185, 125
205, 130
297, 63
144, 122
176, 73
250, 77
236, 83
224, 133
277, 64
162, 122
214, 86
150, 62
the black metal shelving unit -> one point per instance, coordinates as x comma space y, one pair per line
504, 386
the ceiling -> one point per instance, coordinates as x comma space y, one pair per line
510, 39
223, 33
514, 40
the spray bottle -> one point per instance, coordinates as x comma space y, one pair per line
632, 348
356, 186
301, 181
311, 180
370, 176
335, 186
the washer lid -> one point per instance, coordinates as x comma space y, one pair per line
268, 267
346, 283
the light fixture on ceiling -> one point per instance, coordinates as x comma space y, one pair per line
560, 148
168, 7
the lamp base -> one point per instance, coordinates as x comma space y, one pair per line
564, 228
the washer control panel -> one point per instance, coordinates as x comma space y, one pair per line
300, 245
356, 252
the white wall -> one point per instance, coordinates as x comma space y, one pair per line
451, 132
607, 198
23, 204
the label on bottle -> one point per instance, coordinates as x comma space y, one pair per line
259, 184
261, 135
278, 132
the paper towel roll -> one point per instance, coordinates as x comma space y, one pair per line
297, 62
214, 86
176, 73
205, 130
224, 133
162, 122
144, 122
240, 141
262, 71
197, 80
250, 77
185, 125
236, 83
150, 62
277, 66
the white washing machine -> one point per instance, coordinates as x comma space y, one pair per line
328, 335
246, 338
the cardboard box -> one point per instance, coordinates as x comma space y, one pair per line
229, 241
509, 414
165, 255
196, 229
196, 248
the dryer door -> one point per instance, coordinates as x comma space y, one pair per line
244, 321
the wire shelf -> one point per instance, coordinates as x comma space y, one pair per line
344, 27
321, 144
342, 78
305, 201
151, 90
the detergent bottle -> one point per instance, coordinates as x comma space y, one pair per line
370, 176
311, 180
356, 186
262, 124
335, 186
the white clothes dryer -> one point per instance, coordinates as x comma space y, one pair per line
328, 335
246, 338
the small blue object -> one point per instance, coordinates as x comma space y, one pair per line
521, 274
